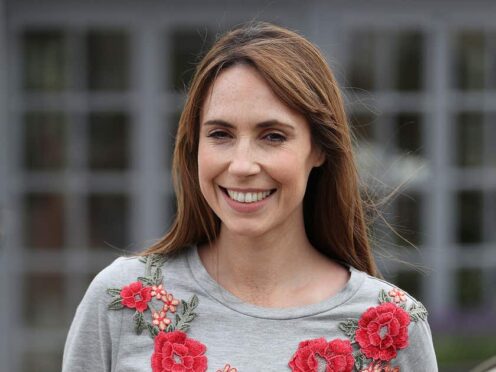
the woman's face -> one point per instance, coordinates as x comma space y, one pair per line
254, 156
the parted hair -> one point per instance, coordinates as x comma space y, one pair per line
299, 75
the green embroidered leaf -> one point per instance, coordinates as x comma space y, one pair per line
157, 276
139, 322
384, 297
154, 330
417, 312
146, 280
186, 314
114, 291
193, 302
116, 303
349, 328
360, 360
402, 305
159, 259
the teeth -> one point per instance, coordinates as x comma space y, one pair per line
248, 197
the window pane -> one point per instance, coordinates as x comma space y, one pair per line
45, 60
470, 60
108, 221
108, 141
469, 217
491, 140
469, 288
187, 47
362, 126
108, 60
43, 300
407, 222
44, 141
409, 59
44, 221
470, 140
361, 73
409, 133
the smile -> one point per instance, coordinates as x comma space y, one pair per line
247, 197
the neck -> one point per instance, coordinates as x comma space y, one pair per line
264, 269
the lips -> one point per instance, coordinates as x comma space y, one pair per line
247, 195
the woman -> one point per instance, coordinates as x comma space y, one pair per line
268, 251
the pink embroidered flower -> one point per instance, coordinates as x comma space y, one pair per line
380, 367
136, 296
160, 320
175, 352
336, 354
397, 295
158, 291
170, 303
227, 368
382, 331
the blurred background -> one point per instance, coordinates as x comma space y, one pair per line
90, 95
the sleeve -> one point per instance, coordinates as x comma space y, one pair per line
420, 354
93, 337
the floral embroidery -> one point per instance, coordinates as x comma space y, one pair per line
336, 355
160, 319
397, 295
227, 368
141, 294
174, 351
379, 367
158, 291
136, 296
170, 303
382, 331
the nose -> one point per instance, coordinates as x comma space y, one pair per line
243, 160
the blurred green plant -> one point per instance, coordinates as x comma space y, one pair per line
464, 351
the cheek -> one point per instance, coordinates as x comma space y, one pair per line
291, 171
208, 166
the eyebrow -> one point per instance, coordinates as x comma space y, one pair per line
262, 125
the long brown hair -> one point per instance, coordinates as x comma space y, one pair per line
298, 74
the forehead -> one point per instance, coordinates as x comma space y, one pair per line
241, 94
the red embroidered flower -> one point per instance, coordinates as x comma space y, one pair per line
175, 352
380, 367
136, 296
170, 303
397, 295
160, 320
158, 291
227, 368
336, 354
382, 330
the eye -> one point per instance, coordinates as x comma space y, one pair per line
218, 134
275, 137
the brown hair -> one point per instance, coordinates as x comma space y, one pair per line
299, 75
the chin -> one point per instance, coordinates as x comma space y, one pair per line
246, 231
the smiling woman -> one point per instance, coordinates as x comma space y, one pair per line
269, 242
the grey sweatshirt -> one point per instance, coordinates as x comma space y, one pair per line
369, 321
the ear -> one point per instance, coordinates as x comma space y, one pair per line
319, 157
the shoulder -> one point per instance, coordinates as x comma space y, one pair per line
120, 272
389, 326
374, 291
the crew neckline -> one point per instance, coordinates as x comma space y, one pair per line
229, 300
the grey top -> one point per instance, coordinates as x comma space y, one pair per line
245, 336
